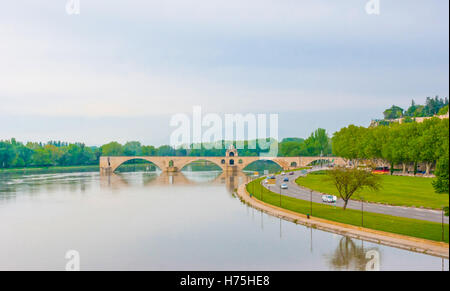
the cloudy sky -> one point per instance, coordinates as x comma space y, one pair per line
120, 69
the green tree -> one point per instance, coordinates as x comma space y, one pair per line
443, 110
433, 105
428, 142
349, 143
393, 113
47, 155
23, 156
441, 183
112, 149
411, 110
318, 143
399, 145
132, 148
148, 150
7, 154
290, 148
349, 181
166, 150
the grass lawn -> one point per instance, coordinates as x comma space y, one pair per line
396, 190
399, 225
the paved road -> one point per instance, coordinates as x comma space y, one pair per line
297, 192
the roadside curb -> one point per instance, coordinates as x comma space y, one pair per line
438, 249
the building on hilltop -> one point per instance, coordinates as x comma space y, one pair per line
377, 122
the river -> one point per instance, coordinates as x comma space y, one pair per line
157, 221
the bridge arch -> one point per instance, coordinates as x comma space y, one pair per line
138, 162
200, 159
115, 163
244, 164
181, 163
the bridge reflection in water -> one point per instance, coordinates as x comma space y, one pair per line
184, 178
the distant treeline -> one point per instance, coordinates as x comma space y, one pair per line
14, 154
432, 107
406, 143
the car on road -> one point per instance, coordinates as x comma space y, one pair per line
291, 173
283, 173
284, 186
286, 179
329, 198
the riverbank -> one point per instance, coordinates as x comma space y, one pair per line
425, 246
50, 170
72, 169
378, 221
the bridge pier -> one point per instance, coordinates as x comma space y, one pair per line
106, 170
230, 169
171, 169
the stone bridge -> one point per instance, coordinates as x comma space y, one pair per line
231, 162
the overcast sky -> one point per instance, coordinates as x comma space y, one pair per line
120, 69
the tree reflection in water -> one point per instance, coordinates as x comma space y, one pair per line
350, 256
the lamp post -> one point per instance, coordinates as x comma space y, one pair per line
280, 195
310, 202
362, 211
262, 190
443, 228
253, 186
321, 159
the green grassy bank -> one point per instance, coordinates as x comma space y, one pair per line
45, 170
396, 190
398, 225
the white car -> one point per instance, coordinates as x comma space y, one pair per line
329, 198
283, 173
284, 186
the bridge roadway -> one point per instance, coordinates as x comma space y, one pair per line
298, 192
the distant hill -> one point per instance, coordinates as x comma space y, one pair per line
433, 106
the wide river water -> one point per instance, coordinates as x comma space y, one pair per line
152, 221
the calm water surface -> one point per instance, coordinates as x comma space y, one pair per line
151, 221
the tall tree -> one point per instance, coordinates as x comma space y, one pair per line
441, 183
132, 148
393, 113
112, 149
349, 181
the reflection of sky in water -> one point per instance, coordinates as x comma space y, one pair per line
201, 177
162, 221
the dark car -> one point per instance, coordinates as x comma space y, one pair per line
286, 179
